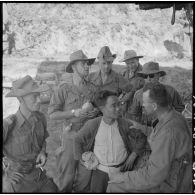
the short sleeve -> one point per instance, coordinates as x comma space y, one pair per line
58, 99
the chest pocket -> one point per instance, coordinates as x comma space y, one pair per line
21, 142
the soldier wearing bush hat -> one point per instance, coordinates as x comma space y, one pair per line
106, 78
70, 103
133, 66
24, 142
151, 73
78, 56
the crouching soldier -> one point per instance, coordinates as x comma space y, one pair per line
24, 142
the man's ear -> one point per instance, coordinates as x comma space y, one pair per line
20, 99
101, 108
155, 106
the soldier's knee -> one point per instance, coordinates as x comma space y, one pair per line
50, 186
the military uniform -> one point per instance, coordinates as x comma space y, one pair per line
115, 82
136, 82
65, 98
23, 140
137, 112
168, 169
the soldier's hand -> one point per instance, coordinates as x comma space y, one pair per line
41, 160
135, 125
128, 165
77, 112
93, 113
12, 177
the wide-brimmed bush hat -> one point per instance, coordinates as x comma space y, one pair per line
25, 86
78, 56
151, 68
106, 54
130, 54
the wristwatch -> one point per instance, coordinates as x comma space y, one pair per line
73, 111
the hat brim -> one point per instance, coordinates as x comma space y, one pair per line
22, 92
142, 73
109, 58
125, 59
69, 66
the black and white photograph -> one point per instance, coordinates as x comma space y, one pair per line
97, 97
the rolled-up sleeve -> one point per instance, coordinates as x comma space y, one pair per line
157, 168
57, 101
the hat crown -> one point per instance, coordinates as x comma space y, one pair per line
130, 54
78, 55
24, 83
104, 52
151, 66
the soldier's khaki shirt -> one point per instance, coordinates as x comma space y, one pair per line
169, 141
115, 82
67, 97
23, 140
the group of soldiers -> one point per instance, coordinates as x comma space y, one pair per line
122, 132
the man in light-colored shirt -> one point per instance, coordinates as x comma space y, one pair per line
109, 139
109, 147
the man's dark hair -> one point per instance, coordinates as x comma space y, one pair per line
101, 97
158, 93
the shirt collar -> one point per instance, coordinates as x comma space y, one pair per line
115, 122
163, 121
20, 118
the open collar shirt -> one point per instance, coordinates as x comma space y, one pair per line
109, 146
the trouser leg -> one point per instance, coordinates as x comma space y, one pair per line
99, 181
66, 166
83, 178
49, 186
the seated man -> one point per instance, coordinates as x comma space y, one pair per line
105, 144
24, 142
168, 169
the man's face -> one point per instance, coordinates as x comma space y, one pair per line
154, 78
132, 64
32, 101
82, 68
111, 109
148, 104
105, 66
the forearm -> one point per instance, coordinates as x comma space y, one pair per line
43, 149
133, 155
60, 115
77, 149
